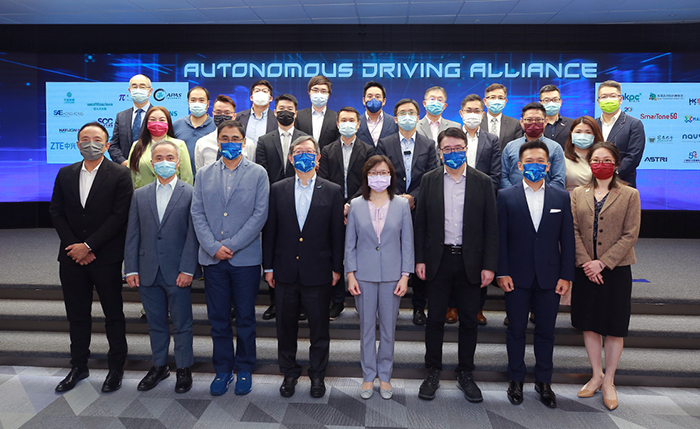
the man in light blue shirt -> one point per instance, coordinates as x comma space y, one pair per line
198, 123
533, 123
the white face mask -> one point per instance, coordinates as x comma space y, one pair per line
261, 98
471, 120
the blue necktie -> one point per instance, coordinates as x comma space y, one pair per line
137, 125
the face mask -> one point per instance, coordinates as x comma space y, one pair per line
455, 160
231, 150
471, 120
407, 122
304, 162
261, 98
347, 129
157, 128
91, 151
435, 107
139, 96
602, 171
218, 119
198, 109
609, 105
581, 140
552, 108
534, 130
373, 105
378, 183
534, 172
285, 118
319, 100
496, 106
165, 169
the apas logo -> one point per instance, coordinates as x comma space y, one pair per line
160, 94
632, 98
69, 98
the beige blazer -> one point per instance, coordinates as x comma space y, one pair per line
618, 225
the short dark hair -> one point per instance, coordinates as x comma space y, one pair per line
221, 98
261, 82
371, 162
321, 80
206, 91
615, 152
372, 84
95, 124
549, 88
288, 97
406, 101
494, 87
435, 88
230, 124
452, 132
569, 151
472, 97
351, 110
533, 106
533, 144
610, 84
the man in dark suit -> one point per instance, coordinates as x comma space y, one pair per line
303, 257
89, 209
412, 155
261, 121
456, 241
558, 127
495, 122
535, 266
341, 163
128, 123
375, 124
319, 121
625, 132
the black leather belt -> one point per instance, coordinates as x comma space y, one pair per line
454, 249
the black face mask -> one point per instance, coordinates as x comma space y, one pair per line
285, 118
218, 119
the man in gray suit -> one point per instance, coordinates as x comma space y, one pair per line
375, 124
495, 122
128, 123
432, 124
160, 258
229, 209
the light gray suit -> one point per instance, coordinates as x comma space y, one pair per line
424, 128
378, 265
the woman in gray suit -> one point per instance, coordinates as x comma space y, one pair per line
378, 262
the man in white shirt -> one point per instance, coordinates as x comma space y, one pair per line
319, 121
495, 122
435, 103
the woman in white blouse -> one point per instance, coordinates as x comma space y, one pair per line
584, 132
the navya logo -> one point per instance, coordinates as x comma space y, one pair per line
69, 98
632, 98
160, 94
655, 159
627, 109
660, 139
690, 137
690, 118
64, 114
694, 102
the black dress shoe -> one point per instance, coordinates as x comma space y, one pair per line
466, 383
287, 387
154, 376
515, 392
302, 314
335, 310
419, 316
318, 388
270, 313
184, 380
113, 381
547, 396
74, 376
430, 385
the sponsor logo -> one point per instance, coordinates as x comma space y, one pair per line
69, 98
632, 98
65, 114
694, 102
692, 158
690, 137
106, 122
690, 118
160, 94
100, 106
63, 146
67, 130
659, 97
627, 109
673, 115
655, 159
660, 139
173, 113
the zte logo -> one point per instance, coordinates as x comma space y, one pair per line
655, 159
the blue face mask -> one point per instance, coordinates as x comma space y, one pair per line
305, 162
407, 122
496, 106
435, 107
581, 140
534, 172
373, 105
455, 160
347, 129
231, 150
165, 169
319, 100
552, 108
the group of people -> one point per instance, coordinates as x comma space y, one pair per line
317, 196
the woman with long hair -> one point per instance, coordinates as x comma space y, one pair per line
584, 133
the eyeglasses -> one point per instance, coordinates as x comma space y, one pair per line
383, 173
478, 111
604, 161
609, 96
409, 112
223, 112
308, 152
453, 149
141, 86
495, 97
265, 90
319, 91
550, 100
231, 140
533, 120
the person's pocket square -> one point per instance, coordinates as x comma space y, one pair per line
555, 211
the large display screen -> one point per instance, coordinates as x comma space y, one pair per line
44, 103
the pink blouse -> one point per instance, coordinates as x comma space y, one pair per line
378, 215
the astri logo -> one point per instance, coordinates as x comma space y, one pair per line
655, 159
632, 98
65, 114
673, 115
690, 118
69, 98
160, 94
668, 97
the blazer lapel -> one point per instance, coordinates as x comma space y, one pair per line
590, 199
424, 125
177, 193
619, 125
612, 196
278, 139
522, 203
480, 143
546, 209
315, 195
291, 203
74, 181
357, 147
327, 125
152, 200
417, 150
390, 214
102, 174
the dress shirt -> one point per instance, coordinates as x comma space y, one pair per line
163, 194
577, 173
608, 126
256, 127
375, 128
408, 146
302, 198
378, 215
186, 131
435, 128
510, 174
494, 121
317, 121
347, 153
535, 203
472, 146
454, 207
86, 180
285, 141
229, 178
143, 115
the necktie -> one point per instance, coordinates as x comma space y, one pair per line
285, 149
494, 123
137, 125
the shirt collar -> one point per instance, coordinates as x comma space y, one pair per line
445, 172
188, 121
291, 131
352, 143
380, 118
297, 181
322, 112
94, 170
434, 122
464, 128
492, 116
223, 166
526, 186
171, 184
145, 108
613, 120
413, 137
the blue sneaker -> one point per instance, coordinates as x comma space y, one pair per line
244, 384
220, 384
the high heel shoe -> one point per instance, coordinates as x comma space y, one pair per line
588, 390
610, 403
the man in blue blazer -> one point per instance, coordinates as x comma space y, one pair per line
160, 258
535, 266
127, 124
625, 132
375, 124
229, 209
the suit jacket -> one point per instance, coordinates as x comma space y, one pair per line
547, 254
310, 255
389, 127
510, 129
235, 222
629, 137
618, 225
331, 166
424, 127
269, 154
370, 259
561, 131
424, 160
480, 224
102, 223
244, 116
488, 157
329, 128
120, 144
169, 245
